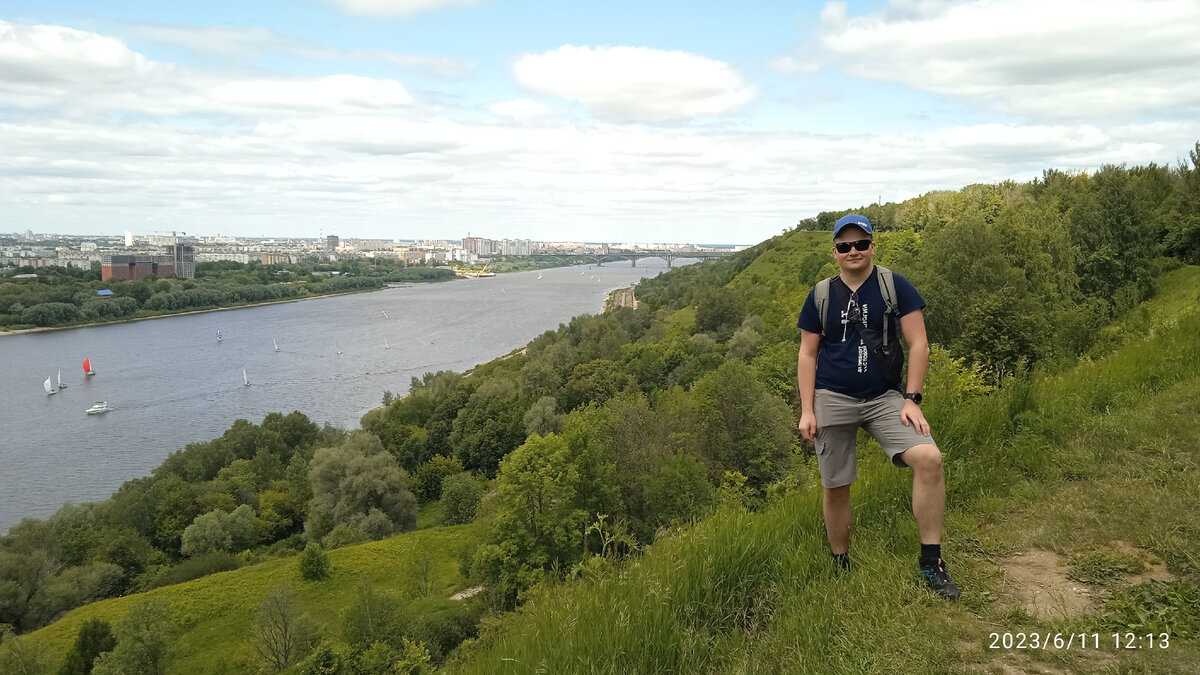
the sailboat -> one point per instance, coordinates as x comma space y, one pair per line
385, 315
339, 349
87, 367
275, 343
580, 272
218, 335
49, 387
385, 344
539, 275
60, 384
245, 380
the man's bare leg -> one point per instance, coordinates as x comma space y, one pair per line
837, 518
929, 490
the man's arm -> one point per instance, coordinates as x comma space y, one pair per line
806, 380
913, 327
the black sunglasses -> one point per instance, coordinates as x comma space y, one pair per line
845, 246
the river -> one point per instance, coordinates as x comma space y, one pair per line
172, 383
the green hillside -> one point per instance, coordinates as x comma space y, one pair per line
214, 614
1098, 465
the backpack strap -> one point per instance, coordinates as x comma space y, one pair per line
887, 287
821, 298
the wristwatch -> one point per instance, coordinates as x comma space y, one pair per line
915, 398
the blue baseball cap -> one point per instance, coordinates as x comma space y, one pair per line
855, 220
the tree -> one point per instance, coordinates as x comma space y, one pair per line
748, 429
539, 525
219, 531
142, 642
427, 484
314, 563
460, 499
542, 417
174, 509
679, 492
353, 482
282, 633
95, 638
21, 577
744, 343
719, 311
489, 426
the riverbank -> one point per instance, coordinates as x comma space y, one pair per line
622, 297
46, 329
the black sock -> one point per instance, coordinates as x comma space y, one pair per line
930, 554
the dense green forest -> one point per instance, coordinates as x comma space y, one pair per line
616, 432
66, 296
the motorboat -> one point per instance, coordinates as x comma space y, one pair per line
99, 407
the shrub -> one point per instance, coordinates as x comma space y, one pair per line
95, 638
460, 498
427, 483
314, 563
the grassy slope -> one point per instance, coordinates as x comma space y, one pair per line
1071, 462
215, 613
777, 279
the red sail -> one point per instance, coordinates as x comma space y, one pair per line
87, 365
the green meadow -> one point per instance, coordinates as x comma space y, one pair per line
214, 614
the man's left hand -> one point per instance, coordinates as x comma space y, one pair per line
911, 414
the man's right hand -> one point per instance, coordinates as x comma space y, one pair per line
808, 426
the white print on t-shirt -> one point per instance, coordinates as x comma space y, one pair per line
862, 346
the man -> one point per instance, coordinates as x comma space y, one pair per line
844, 386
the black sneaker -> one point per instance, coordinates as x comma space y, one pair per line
940, 582
841, 564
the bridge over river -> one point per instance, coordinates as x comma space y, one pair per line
633, 256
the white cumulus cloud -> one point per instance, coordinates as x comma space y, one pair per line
1067, 59
636, 83
48, 66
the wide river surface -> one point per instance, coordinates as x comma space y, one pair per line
172, 383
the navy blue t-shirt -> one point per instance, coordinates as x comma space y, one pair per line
844, 363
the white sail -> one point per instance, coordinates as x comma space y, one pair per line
245, 379
49, 386
385, 344
275, 343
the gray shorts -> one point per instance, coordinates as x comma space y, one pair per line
838, 419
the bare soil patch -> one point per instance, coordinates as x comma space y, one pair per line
1155, 569
1038, 580
467, 593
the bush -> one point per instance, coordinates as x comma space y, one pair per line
323, 661
460, 498
314, 563
427, 483
95, 638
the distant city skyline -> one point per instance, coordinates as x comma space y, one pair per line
700, 122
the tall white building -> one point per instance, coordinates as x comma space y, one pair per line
128, 239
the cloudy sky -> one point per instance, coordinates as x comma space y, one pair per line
696, 121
